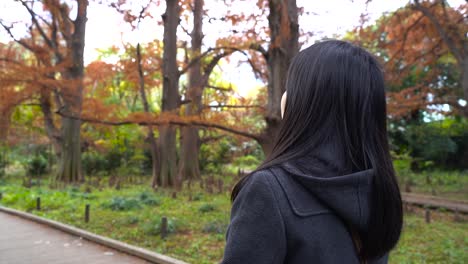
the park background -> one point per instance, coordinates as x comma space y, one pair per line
149, 109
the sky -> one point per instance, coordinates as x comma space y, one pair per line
106, 28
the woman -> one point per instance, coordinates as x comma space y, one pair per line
327, 193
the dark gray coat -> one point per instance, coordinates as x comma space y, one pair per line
284, 215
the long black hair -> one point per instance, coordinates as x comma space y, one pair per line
335, 91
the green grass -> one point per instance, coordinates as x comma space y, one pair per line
438, 242
197, 227
448, 184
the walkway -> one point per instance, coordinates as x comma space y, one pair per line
27, 242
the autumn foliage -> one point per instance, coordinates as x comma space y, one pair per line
174, 87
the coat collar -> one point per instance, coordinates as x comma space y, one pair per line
300, 199
312, 193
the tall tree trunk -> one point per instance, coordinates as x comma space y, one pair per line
189, 167
464, 82
170, 100
69, 169
284, 45
144, 99
51, 130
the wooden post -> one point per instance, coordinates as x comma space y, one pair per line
38, 203
428, 215
86, 217
1, 195
174, 195
164, 227
220, 186
457, 217
201, 183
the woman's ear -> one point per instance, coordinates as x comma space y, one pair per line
283, 103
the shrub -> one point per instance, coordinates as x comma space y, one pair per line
153, 227
93, 163
214, 156
215, 227
205, 208
114, 160
3, 161
131, 220
197, 197
122, 204
86, 196
148, 199
442, 142
248, 161
37, 165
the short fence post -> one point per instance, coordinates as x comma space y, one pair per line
38, 203
174, 195
1, 195
220, 186
164, 227
457, 217
428, 215
86, 218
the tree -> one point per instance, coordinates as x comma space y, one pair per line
423, 40
284, 44
171, 97
281, 38
189, 167
57, 42
453, 34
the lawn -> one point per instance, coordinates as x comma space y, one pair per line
197, 221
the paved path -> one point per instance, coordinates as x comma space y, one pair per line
27, 242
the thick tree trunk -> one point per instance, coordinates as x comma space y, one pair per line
170, 100
189, 167
284, 45
464, 82
51, 130
168, 156
69, 169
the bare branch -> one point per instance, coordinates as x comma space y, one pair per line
259, 48
187, 101
38, 26
223, 89
19, 41
228, 50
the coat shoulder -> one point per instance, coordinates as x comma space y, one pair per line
301, 201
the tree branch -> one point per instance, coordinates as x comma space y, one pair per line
259, 48
233, 106
229, 50
161, 122
19, 41
38, 26
443, 34
223, 89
